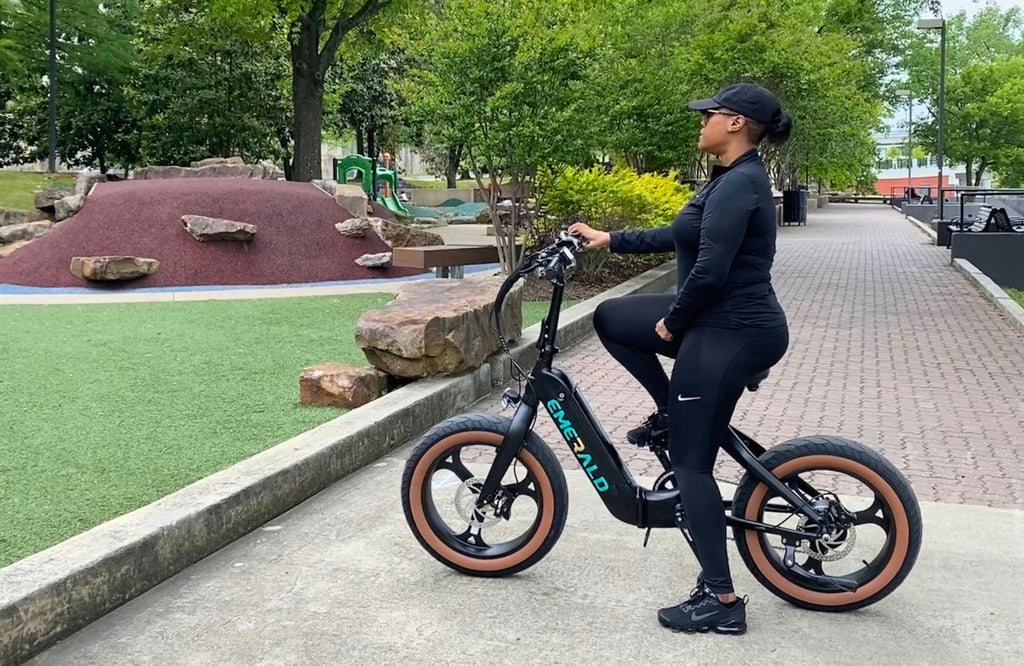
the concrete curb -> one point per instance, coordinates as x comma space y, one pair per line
52, 594
923, 227
1009, 307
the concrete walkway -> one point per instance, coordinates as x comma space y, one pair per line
890, 346
341, 580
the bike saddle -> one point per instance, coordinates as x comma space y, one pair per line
756, 380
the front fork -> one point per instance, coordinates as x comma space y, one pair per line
522, 421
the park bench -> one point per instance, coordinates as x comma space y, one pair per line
988, 218
445, 260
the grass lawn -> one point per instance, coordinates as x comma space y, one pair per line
106, 408
18, 189
1017, 295
429, 184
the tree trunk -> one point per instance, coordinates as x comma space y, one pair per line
307, 101
452, 167
979, 174
360, 141
970, 168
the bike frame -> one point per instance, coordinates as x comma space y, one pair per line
597, 456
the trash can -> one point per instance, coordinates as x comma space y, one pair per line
794, 206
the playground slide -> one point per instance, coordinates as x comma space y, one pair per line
361, 165
392, 203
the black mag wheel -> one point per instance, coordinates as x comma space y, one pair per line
875, 543
442, 480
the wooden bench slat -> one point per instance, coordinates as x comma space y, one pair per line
435, 256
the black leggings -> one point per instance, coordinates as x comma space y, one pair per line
712, 367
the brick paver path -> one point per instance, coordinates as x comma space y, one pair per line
889, 346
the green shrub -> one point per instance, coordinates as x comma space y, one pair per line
609, 201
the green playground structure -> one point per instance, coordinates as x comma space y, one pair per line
387, 195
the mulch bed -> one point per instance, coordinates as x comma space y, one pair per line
295, 242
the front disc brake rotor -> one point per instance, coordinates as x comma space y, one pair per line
465, 502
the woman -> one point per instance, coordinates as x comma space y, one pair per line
723, 327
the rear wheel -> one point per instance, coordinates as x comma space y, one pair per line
875, 544
442, 481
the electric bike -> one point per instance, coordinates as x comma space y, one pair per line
823, 522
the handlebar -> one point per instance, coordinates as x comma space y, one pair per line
549, 262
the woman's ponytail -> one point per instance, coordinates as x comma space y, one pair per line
778, 131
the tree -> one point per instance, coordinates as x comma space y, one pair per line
505, 79
94, 55
983, 128
369, 103
208, 84
783, 48
315, 30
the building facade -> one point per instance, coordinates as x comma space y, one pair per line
922, 173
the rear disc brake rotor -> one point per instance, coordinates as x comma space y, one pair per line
830, 547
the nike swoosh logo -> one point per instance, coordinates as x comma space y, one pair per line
697, 618
682, 399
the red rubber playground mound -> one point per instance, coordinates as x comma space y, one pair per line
295, 236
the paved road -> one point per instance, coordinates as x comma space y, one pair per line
890, 346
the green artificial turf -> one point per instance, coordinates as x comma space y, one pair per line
18, 188
106, 408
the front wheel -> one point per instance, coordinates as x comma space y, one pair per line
875, 544
441, 482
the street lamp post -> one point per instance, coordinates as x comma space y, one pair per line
940, 25
910, 146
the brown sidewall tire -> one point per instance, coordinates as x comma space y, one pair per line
903, 510
546, 470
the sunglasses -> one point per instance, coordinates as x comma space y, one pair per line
706, 115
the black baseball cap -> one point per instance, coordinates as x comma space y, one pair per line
747, 99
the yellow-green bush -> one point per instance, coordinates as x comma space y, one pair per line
609, 201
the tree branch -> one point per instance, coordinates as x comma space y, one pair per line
345, 24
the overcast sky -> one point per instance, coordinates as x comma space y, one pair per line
950, 7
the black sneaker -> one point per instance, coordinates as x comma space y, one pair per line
653, 430
703, 612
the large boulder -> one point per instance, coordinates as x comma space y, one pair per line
68, 206
111, 268
86, 179
328, 186
216, 161
437, 327
351, 198
26, 231
355, 228
46, 199
256, 171
10, 216
399, 235
204, 228
378, 260
339, 385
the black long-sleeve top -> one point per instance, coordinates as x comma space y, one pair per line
724, 239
